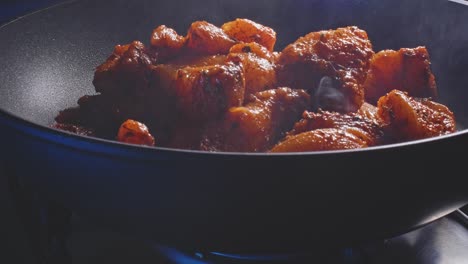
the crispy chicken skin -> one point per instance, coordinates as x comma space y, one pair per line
134, 132
246, 30
321, 139
207, 92
342, 55
407, 118
367, 129
405, 70
259, 73
325, 130
208, 39
204, 92
166, 42
259, 124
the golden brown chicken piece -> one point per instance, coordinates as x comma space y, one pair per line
259, 124
134, 132
407, 118
321, 139
204, 38
405, 70
203, 92
366, 129
341, 55
246, 30
166, 42
332, 131
259, 71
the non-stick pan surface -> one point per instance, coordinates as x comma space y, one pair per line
229, 202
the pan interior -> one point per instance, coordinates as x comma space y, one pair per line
48, 58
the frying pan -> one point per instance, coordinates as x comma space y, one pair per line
229, 202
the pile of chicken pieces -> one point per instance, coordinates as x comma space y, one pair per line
226, 89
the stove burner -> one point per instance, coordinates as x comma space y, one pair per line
346, 256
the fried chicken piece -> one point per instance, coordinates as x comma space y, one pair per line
408, 118
127, 86
134, 132
321, 139
166, 75
366, 129
341, 55
332, 131
405, 70
125, 71
204, 38
259, 72
166, 42
259, 124
203, 92
246, 30
256, 60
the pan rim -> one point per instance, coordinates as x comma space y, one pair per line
2, 26
45, 132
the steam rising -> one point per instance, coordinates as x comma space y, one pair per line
328, 96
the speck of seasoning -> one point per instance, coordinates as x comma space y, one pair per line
246, 49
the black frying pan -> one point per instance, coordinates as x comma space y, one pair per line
229, 202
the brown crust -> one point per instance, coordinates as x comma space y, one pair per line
405, 70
